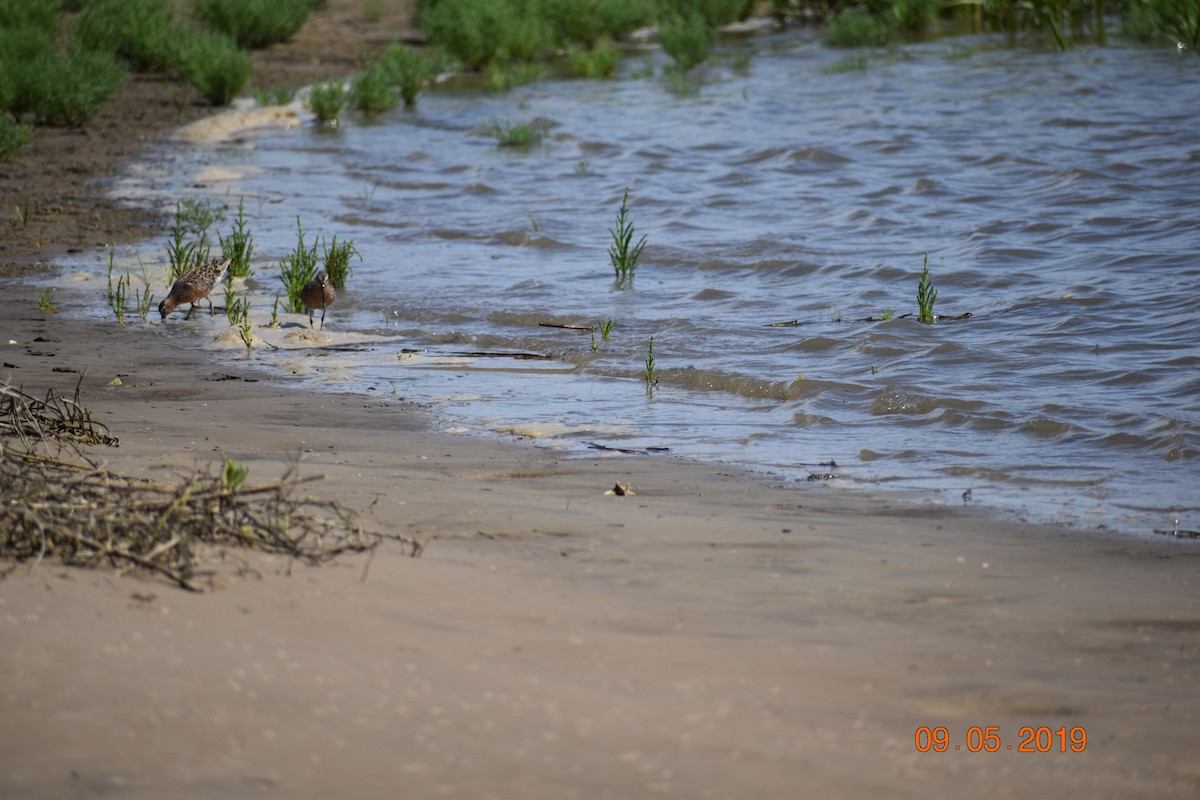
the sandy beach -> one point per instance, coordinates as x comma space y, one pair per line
711, 636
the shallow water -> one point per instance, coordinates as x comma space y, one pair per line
1055, 195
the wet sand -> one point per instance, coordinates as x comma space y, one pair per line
710, 636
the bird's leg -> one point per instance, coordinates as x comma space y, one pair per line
191, 308
322, 319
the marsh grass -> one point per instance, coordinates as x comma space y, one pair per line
213, 63
117, 292
13, 135
200, 212
45, 15
45, 299
274, 322
336, 259
372, 91
600, 61
275, 96
327, 100
255, 23
142, 32
622, 253
649, 373
184, 252
407, 69
687, 39
296, 270
70, 91
517, 134
239, 245
852, 63
605, 327
926, 296
856, 27
503, 74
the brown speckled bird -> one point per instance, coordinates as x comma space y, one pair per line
317, 293
195, 285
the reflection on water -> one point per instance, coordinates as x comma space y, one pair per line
1054, 194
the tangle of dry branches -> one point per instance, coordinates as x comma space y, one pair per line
81, 513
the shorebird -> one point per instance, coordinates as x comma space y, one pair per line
195, 285
317, 293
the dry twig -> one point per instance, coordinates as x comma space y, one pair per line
87, 516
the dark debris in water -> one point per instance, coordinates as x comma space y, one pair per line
631, 451
1179, 533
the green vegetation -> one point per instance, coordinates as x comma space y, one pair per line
858, 27
117, 292
407, 69
296, 270
649, 374
851, 63
45, 301
327, 100
238, 246
1166, 21
336, 258
13, 135
623, 253
605, 328
40, 14
237, 309
687, 39
517, 134
277, 96
214, 64
183, 251
598, 62
233, 475
255, 23
200, 212
74, 88
505, 75
142, 32
926, 296
372, 91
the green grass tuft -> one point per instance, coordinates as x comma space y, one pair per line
327, 100
336, 258
623, 253
296, 270
143, 32
407, 69
239, 245
255, 23
372, 91
71, 90
687, 39
926, 296
517, 134
214, 64
13, 135
599, 62
856, 27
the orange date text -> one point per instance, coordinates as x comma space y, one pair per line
988, 739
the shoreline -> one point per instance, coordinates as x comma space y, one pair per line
712, 635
